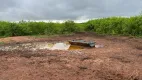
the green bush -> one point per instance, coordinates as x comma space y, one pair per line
50, 29
113, 25
116, 26
69, 27
10, 29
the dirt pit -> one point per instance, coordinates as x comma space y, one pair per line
120, 58
42, 46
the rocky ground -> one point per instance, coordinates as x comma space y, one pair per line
119, 59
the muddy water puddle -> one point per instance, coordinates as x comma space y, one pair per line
41, 46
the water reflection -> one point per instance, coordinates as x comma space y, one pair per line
41, 46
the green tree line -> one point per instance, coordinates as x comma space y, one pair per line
113, 25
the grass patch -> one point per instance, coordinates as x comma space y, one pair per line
55, 35
1, 43
2, 36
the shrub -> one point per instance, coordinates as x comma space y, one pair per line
69, 27
50, 29
112, 25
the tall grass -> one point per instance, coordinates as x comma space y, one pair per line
113, 25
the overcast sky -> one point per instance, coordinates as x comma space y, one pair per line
67, 9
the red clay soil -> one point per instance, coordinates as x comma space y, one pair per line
16, 39
119, 59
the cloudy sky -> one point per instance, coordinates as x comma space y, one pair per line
67, 9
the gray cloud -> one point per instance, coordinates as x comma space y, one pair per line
67, 9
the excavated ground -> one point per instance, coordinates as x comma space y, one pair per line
120, 58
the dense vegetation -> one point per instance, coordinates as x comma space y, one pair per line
114, 25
